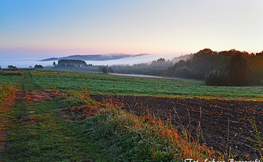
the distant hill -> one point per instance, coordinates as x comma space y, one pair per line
50, 59
97, 57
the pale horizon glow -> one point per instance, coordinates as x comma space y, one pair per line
56, 28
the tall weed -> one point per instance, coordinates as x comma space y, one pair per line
257, 137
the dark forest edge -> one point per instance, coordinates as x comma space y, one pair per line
224, 68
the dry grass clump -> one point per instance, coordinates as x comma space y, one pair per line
81, 112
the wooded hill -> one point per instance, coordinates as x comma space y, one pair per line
71, 62
221, 68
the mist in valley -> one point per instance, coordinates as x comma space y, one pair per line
26, 62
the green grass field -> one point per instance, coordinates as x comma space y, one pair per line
99, 83
37, 133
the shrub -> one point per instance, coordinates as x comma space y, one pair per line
38, 66
104, 70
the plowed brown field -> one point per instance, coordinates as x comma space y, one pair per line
223, 123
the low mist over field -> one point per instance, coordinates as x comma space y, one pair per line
32, 61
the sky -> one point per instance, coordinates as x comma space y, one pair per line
55, 28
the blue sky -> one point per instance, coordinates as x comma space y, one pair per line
34, 28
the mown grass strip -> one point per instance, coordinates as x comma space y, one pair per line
27, 82
8, 87
38, 134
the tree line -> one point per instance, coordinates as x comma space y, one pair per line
229, 68
157, 68
71, 62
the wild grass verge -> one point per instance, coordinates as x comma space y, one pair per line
135, 138
7, 95
140, 138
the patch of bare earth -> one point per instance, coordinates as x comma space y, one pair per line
78, 113
36, 96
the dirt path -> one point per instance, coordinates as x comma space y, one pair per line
27, 82
39, 134
223, 123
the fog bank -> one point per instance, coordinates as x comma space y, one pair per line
26, 62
